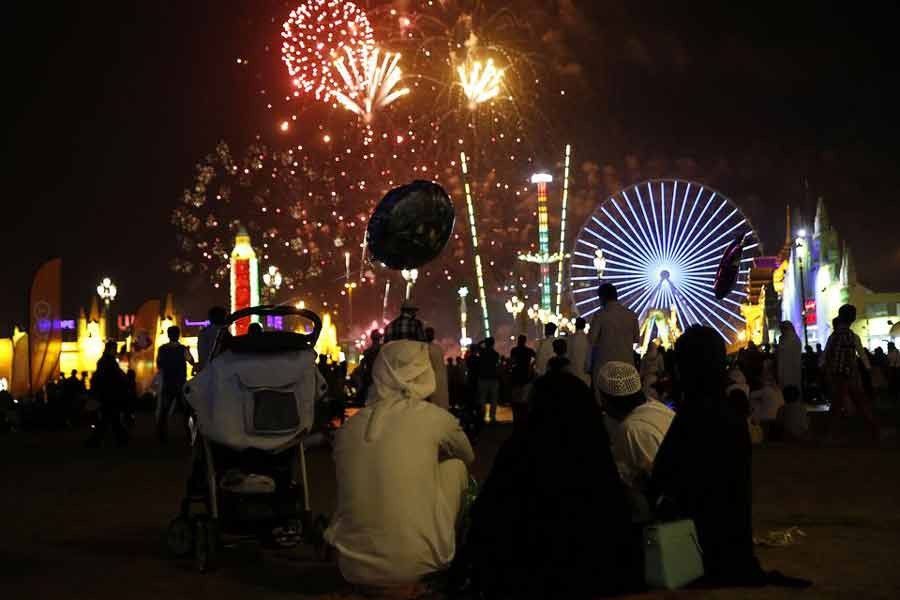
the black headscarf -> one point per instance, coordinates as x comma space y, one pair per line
552, 519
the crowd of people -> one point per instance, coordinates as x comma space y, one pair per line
604, 442
595, 454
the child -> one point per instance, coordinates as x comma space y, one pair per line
792, 416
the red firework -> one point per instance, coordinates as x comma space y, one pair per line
316, 34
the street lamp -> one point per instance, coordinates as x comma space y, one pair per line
464, 339
107, 291
409, 276
515, 306
801, 239
272, 280
349, 286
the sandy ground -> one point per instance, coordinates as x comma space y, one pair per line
79, 523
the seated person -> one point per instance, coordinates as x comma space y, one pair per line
401, 467
639, 425
765, 402
541, 527
703, 468
792, 416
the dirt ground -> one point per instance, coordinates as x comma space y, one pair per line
80, 523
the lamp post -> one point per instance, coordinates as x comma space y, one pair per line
409, 276
801, 238
515, 306
464, 339
107, 292
349, 286
272, 279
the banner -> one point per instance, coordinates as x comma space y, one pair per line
143, 343
44, 333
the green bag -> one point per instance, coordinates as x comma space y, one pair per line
672, 554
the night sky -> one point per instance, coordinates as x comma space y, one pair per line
111, 104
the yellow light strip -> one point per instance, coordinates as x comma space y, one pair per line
479, 276
562, 233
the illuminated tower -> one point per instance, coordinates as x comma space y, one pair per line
542, 179
244, 278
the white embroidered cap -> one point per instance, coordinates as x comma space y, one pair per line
619, 379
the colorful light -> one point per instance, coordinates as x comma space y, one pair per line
479, 275
372, 86
316, 34
464, 339
244, 279
480, 82
542, 179
562, 229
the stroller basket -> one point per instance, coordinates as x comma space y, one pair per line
275, 412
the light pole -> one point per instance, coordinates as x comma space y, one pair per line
107, 292
409, 276
801, 238
349, 286
464, 339
515, 306
272, 280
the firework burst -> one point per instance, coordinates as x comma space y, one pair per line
372, 86
317, 33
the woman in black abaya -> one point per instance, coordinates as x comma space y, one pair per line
552, 519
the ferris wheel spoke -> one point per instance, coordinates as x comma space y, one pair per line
651, 249
656, 248
587, 243
724, 234
660, 243
624, 252
691, 244
586, 289
693, 233
631, 240
687, 222
610, 232
684, 201
629, 287
689, 316
704, 314
710, 298
694, 244
616, 258
628, 222
722, 222
640, 304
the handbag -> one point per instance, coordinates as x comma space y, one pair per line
672, 554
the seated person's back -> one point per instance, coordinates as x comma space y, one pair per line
397, 501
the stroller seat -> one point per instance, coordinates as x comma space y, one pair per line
251, 484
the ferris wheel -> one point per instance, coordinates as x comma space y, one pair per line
660, 243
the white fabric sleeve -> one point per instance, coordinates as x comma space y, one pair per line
454, 443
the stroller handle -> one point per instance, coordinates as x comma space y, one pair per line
279, 310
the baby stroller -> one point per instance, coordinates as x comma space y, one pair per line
252, 407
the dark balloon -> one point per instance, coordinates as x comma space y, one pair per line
727, 274
411, 225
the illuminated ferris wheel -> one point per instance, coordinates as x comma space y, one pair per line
660, 243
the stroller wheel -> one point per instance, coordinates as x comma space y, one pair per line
323, 549
180, 537
206, 545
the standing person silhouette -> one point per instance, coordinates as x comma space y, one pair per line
614, 332
172, 362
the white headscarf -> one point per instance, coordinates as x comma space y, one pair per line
401, 375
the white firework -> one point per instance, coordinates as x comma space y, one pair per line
370, 85
661, 243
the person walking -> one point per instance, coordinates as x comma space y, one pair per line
441, 395
172, 360
614, 332
108, 387
844, 356
488, 380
